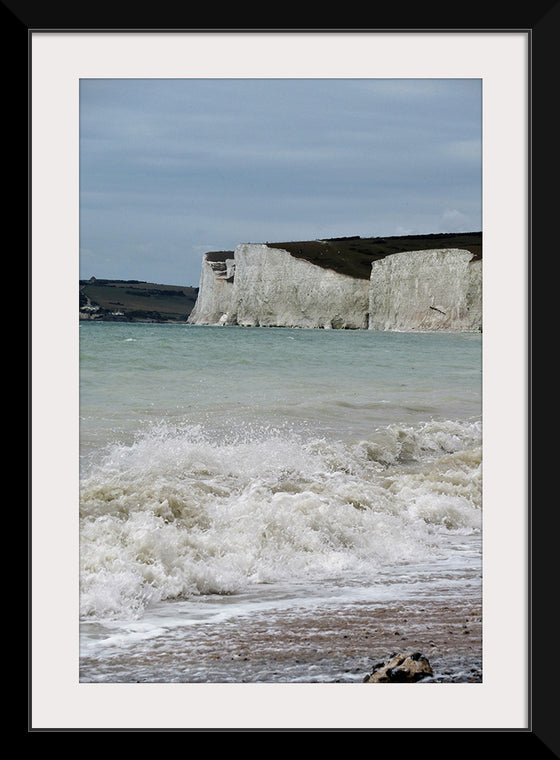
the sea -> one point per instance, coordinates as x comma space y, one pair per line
247, 493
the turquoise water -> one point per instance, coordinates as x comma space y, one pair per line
223, 469
341, 383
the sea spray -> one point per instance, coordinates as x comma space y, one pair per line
183, 512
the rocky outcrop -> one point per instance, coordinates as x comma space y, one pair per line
400, 668
264, 286
426, 290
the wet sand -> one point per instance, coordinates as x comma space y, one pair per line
324, 645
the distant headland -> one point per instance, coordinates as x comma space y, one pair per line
135, 301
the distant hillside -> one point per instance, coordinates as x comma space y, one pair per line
135, 301
354, 255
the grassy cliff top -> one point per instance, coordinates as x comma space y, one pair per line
353, 256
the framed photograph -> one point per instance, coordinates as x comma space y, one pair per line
269, 491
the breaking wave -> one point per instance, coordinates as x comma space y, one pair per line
181, 513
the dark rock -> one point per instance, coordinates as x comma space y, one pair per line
401, 668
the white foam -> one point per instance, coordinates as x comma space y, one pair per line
181, 513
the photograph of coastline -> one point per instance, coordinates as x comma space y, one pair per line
280, 455
280, 346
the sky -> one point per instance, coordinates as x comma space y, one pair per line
173, 168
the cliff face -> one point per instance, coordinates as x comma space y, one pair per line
215, 289
426, 290
271, 288
264, 286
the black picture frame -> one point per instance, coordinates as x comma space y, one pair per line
21, 19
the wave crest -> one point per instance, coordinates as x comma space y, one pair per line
181, 512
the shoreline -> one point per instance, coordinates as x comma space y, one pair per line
327, 644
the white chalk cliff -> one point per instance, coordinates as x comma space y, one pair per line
426, 290
214, 290
268, 287
272, 288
